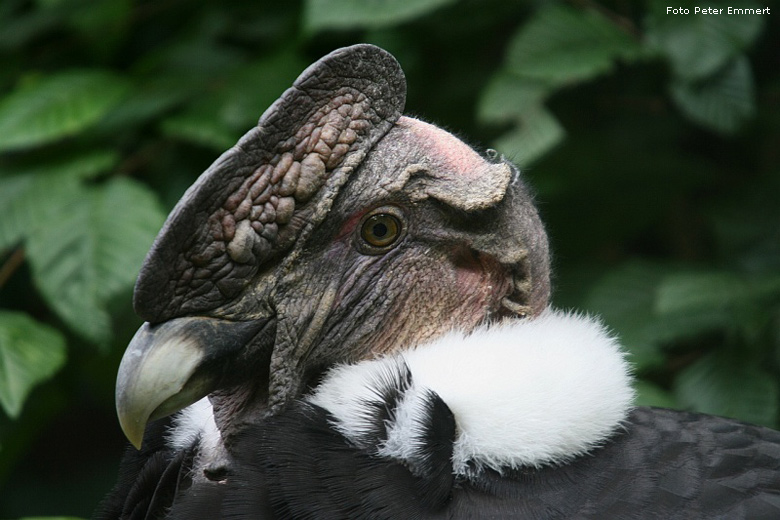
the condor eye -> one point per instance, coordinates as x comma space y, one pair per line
380, 230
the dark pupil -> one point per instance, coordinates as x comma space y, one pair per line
380, 230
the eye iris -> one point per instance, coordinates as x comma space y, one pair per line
381, 230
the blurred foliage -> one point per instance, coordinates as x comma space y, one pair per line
652, 141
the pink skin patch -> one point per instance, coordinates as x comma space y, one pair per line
481, 281
349, 225
444, 150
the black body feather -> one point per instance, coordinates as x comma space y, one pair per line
665, 464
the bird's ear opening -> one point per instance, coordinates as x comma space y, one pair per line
271, 189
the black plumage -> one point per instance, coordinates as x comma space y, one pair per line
337, 231
666, 464
663, 464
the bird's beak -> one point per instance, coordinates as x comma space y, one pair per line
171, 365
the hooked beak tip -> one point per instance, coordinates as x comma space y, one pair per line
133, 430
157, 367
170, 365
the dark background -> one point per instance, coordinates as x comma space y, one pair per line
652, 141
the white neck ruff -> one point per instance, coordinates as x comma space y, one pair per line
524, 393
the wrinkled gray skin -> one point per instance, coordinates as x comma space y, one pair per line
260, 278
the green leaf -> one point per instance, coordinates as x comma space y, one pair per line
38, 191
729, 385
698, 45
709, 300
147, 101
722, 102
22, 28
106, 18
28, 203
650, 306
218, 120
130, 217
536, 132
696, 291
48, 109
30, 353
196, 63
12, 219
561, 44
625, 299
649, 394
255, 86
508, 95
92, 250
201, 128
514, 99
78, 164
352, 14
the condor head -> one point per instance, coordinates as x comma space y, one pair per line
335, 230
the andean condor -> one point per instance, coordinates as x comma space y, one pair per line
348, 318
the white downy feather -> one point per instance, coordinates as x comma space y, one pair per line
523, 393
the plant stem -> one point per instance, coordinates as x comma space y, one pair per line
11, 265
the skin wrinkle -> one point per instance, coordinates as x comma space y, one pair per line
318, 148
330, 302
354, 116
358, 267
353, 292
312, 330
455, 292
374, 320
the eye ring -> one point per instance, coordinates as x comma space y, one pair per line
380, 230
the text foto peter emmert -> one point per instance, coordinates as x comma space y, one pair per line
717, 10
